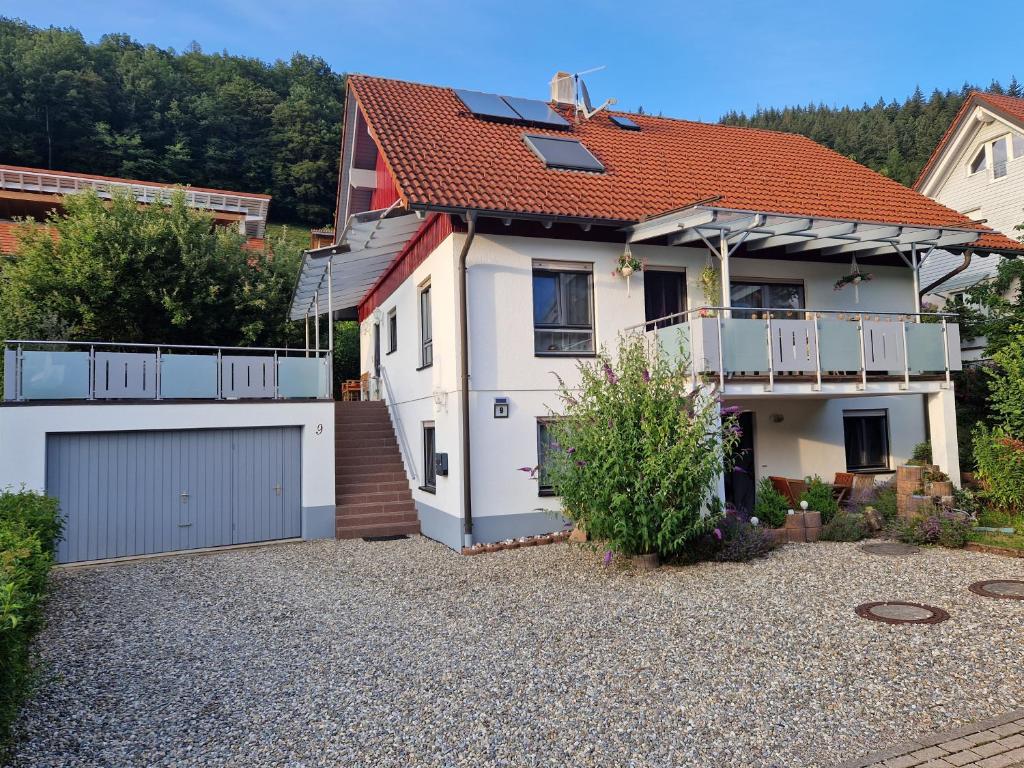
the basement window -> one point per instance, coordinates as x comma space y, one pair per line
866, 433
429, 452
565, 154
979, 162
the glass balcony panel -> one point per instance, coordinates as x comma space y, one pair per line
10, 360
745, 345
124, 375
302, 377
883, 346
188, 377
924, 348
793, 346
247, 376
674, 341
839, 345
55, 375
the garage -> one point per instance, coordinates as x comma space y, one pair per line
143, 492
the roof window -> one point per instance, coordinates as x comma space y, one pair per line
979, 163
567, 154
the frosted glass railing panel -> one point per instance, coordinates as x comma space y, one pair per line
55, 375
793, 346
10, 373
124, 375
188, 377
245, 376
839, 345
745, 346
883, 346
302, 377
675, 341
925, 351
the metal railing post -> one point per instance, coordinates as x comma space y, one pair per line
156, 373
945, 351
277, 393
817, 352
863, 353
92, 372
721, 356
18, 365
771, 352
220, 375
906, 356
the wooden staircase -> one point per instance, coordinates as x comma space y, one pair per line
371, 487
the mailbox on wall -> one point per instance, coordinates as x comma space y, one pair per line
441, 464
501, 407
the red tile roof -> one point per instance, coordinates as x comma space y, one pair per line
440, 155
1009, 106
51, 172
8, 239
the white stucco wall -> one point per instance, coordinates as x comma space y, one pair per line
23, 431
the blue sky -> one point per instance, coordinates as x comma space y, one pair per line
685, 59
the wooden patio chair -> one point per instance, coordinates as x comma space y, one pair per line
842, 486
784, 486
798, 488
351, 389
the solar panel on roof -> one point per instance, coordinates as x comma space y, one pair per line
625, 122
487, 105
569, 154
534, 111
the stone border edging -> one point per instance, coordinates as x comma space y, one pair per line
986, 549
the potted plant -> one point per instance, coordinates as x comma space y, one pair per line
627, 265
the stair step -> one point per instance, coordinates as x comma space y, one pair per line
349, 432
361, 478
375, 508
349, 521
379, 497
353, 459
369, 450
384, 487
386, 529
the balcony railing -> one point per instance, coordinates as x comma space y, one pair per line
67, 370
810, 344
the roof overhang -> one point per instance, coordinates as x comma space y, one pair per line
760, 231
369, 243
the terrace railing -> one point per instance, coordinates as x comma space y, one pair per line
736, 343
98, 371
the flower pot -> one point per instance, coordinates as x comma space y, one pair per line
626, 271
645, 562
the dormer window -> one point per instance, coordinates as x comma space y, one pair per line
999, 158
980, 161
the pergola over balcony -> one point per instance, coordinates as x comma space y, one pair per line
773, 235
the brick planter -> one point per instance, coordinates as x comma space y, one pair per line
938, 488
796, 532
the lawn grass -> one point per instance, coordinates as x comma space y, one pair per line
990, 539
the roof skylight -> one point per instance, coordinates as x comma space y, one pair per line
567, 154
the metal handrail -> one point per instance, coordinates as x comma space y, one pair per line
389, 401
140, 345
647, 324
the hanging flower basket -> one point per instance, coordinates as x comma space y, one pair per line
628, 264
854, 278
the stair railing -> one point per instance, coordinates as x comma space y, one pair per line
396, 420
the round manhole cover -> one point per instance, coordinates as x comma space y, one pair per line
890, 548
901, 613
1009, 589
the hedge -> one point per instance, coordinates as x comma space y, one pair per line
29, 529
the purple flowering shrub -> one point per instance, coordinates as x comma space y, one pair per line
933, 525
738, 541
637, 454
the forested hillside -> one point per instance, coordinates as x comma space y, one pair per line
893, 139
122, 108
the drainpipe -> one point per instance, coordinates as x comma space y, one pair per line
935, 284
467, 493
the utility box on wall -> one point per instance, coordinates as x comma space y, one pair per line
501, 407
441, 464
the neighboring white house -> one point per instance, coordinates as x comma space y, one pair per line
977, 169
529, 204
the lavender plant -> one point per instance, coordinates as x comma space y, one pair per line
638, 453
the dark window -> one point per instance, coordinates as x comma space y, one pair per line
568, 154
429, 451
867, 440
426, 329
999, 158
543, 455
563, 317
487, 105
392, 331
376, 350
664, 295
755, 295
624, 122
978, 163
533, 111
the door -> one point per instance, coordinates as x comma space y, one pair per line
740, 483
664, 295
136, 493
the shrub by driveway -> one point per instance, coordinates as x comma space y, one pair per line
402, 653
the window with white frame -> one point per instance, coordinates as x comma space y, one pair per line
563, 308
1017, 140
429, 454
426, 328
392, 331
999, 158
866, 434
980, 162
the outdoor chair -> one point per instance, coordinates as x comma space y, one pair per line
784, 486
842, 486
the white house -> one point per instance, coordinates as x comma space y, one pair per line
977, 168
478, 237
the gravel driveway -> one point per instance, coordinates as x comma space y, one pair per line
405, 654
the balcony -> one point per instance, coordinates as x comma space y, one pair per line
69, 371
799, 350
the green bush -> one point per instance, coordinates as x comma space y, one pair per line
819, 498
770, 506
922, 453
844, 526
29, 529
932, 526
737, 541
637, 455
1000, 460
885, 501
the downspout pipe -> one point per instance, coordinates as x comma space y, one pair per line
953, 273
467, 491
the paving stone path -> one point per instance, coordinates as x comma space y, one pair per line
995, 743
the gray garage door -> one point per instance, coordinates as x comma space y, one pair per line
136, 493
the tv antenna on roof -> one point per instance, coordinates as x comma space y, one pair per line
580, 96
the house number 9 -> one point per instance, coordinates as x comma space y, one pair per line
319, 429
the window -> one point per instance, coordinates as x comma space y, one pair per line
544, 487
429, 452
867, 440
426, 329
999, 158
763, 294
567, 154
563, 316
392, 331
1018, 144
664, 295
979, 162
